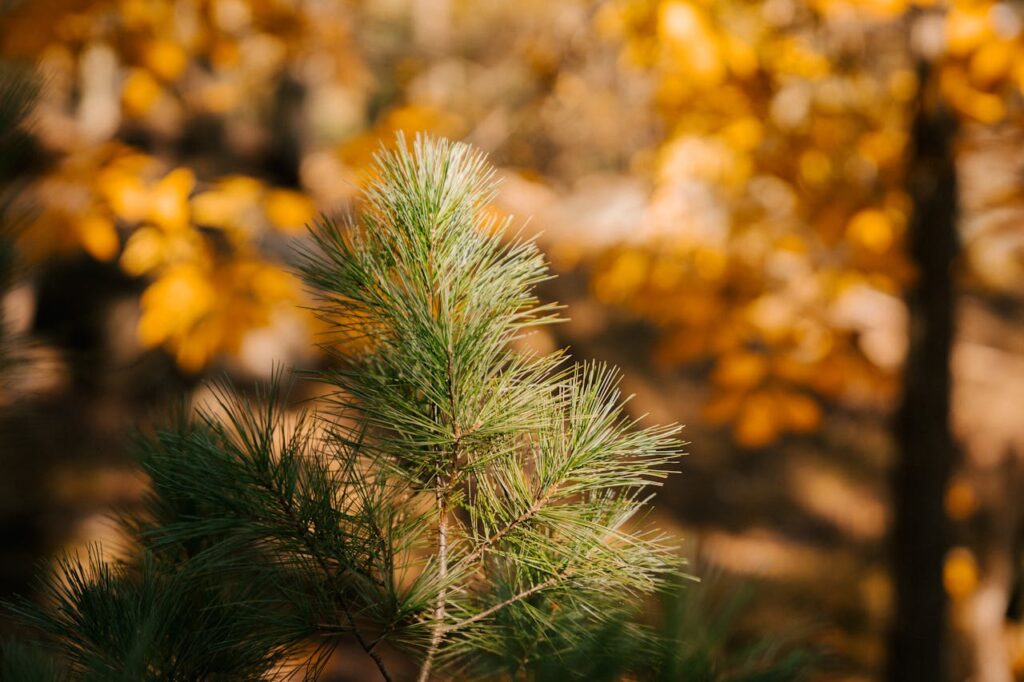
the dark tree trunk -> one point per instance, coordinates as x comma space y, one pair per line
922, 428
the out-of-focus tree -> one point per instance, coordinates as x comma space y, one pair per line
780, 203
807, 182
18, 91
282, 104
177, 129
210, 282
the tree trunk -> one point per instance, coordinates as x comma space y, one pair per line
922, 428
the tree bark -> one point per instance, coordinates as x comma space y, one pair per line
920, 533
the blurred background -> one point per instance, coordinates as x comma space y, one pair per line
797, 225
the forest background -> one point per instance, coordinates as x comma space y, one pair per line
796, 225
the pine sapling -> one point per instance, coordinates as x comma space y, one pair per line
470, 504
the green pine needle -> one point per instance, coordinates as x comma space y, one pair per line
456, 499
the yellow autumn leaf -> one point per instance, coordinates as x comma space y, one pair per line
173, 303
740, 56
144, 13
195, 348
98, 236
967, 27
871, 229
287, 210
815, 166
168, 199
627, 273
710, 263
740, 370
140, 92
903, 85
272, 284
992, 62
692, 42
125, 193
800, 413
145, 250
960, 573
226, 204
165, 58
744, 133
986, 108
758, 422
884, 147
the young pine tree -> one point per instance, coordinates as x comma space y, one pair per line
471, 505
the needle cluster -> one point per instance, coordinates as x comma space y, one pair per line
474, 506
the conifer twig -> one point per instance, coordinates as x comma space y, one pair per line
550, 582
496, 537
442, 526
321, 560
442, 596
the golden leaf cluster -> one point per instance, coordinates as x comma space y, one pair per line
779, 208
208, 243
197, 243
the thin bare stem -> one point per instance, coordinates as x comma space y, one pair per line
495, 538
553, 580
566, 571
442, 596
442, 529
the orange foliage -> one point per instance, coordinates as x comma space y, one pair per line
779, 207
150, 67
210, 285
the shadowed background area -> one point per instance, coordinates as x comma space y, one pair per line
795, 224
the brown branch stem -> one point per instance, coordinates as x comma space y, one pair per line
553, 580
496, 537
442, 523
442, 596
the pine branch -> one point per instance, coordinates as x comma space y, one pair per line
330, 576
454, 488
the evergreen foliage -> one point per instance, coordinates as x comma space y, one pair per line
477, 507
696, 638
458, 499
